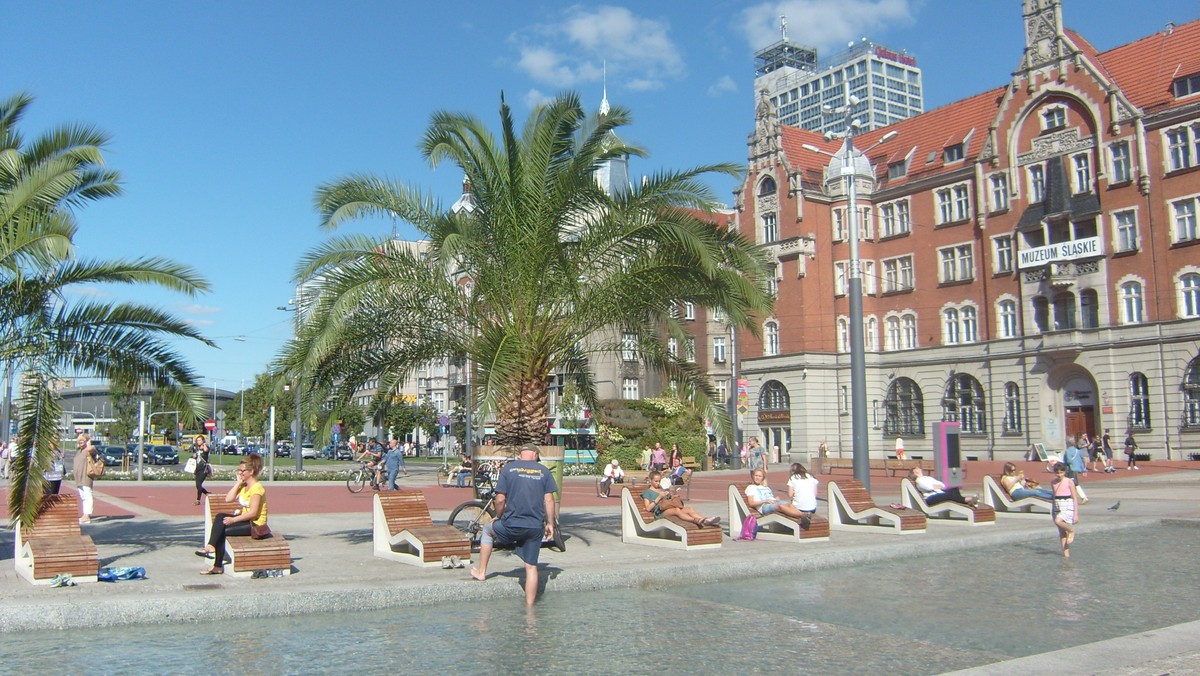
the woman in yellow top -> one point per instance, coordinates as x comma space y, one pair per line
252, 497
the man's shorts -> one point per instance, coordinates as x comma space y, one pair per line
526, 542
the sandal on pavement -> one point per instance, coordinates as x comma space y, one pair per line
205, 554
213, 571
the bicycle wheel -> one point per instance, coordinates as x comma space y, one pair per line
469, 518
356, 481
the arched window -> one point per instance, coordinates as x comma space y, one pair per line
1191, 395
771, 339
950, 333
964, 403
774, 397
970, 325
1012, 407
1131, 303
871, 335
766, 186
1089, 309
843, 329
910, 331
1139, 401
891, 338
1189, 295
905, 412
1006, 311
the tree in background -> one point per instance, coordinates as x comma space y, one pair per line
44, 331
542, 273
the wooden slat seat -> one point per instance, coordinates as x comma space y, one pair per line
403, 531
852, 508
953, 512
998, 499
246, 554
774, 526
55, 544
640, 526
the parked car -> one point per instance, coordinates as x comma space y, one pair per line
112, 455
250, 448
340, 452
162, 455
344, 452
283, 451
308, 452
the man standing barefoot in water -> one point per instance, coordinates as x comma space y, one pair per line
525, 505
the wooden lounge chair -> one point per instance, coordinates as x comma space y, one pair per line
55, 545
639, 526
851, 508
773, 526
998, 499
981, 515
246, 554
403, 531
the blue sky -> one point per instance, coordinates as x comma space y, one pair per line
225, 116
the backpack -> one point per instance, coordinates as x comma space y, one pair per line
749, 528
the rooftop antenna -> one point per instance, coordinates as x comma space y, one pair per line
604, 97
783, 26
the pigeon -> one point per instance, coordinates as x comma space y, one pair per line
1115, 507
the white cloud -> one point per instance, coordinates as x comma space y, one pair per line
723, 85
534, 97
827, 25
193, 308
574, 50
91, 292
198, 322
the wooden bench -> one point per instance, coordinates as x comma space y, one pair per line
773, 526
403, 531
632, 483
690, 463
998, 499
889, 466
980, 515
55, 545
852, 508
246, 554
639, 526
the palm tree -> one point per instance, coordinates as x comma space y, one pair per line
541, 274
43, 331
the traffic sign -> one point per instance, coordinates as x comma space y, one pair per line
443, 420
210, 424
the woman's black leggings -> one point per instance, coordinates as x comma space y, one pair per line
220, 531
201, 491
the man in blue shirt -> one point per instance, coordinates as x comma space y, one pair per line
525, 505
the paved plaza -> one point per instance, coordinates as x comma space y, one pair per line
154, 525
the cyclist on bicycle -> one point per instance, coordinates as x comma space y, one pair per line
373, 455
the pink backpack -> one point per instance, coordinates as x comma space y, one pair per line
749, 528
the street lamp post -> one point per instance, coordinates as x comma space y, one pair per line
298, 452
849, 170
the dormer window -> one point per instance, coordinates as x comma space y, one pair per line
953, 153
897, 169
1054, 117
1186, 86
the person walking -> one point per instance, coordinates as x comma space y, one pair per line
392, 461
525, 505
203, 470
756, 455
83, 467
1130, 451
1065, 510
5, 456
1073, 458
1106, 446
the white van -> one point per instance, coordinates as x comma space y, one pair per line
229, 440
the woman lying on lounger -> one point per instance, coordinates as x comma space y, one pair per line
936, 492
661, 501
760, 496
1016, 485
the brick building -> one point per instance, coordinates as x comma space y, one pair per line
1030, 260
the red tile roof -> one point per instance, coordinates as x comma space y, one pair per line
1145, 68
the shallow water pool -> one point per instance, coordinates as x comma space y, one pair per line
917, 616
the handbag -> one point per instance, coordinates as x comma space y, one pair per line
258, 532
189, 467
674, 501
95, 468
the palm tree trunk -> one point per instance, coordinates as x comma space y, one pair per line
521, 419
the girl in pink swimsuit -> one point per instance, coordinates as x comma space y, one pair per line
1066, 507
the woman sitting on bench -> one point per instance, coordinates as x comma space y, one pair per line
252, 497
760, 496
661, 501
935, 492
1013, 481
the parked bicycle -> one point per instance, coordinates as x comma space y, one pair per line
472, 515
362, 476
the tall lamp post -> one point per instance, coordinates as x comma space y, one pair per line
298, 452
852, 165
